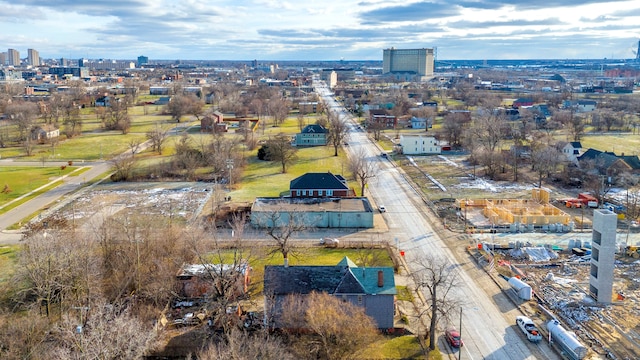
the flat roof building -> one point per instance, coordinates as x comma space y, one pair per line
13, 57
405, 63
33, 57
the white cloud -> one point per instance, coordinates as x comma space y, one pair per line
320, 29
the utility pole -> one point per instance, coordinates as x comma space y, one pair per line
460, 333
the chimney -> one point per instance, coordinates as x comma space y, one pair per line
380, 278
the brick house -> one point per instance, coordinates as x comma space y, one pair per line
320, 185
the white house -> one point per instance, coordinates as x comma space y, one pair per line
419, 144
572, 151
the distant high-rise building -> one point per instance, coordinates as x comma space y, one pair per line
13, 57
3, 58
143, 60
408, 63
82, 62
33, 57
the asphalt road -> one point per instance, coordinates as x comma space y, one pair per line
487, 329
47, 199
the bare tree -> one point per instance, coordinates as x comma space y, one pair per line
376, 128
278, 108
545, 160
134, 146
23, 114
281, 225
225, 265
338, 130
102, 331
181, 105
436, 277
454, 126
484, 137
54, 271
361, 169
280, 149
301, 120
157, 136
28, 146
242, 345
123, 166
339, 330
116, 116
572, 122
23, 338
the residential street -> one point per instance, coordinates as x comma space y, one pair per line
487, 328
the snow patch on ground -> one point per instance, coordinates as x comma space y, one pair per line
449, 162
492, 186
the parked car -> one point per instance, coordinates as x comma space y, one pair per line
382, 208
329, 242
384, 155
453, 337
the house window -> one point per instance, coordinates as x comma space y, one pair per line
576, 152
360, 300
344, 298
304, 192
329, 192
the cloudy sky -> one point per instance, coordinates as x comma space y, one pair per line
320, 29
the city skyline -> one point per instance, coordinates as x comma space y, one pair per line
321, 30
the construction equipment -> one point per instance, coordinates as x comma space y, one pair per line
632, 251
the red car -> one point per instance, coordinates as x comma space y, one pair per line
453, 337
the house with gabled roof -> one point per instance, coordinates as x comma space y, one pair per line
606, 163
44, 133
312, 135
572, 151
323, 184
372, 288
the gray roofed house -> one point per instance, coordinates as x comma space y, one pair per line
312, 135
372, 288
606, 163
319, 185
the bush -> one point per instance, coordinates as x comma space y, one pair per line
263, 153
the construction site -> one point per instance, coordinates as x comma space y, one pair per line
551, 283
520, 215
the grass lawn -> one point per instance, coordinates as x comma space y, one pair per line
23, 179
619, 143
395, 347
7, 262
265, 178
